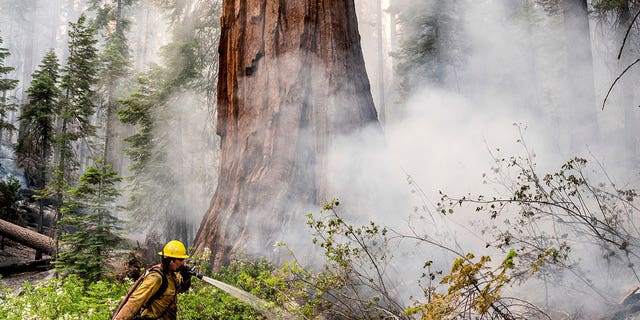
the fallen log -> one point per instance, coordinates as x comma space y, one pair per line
28, 266
27, 237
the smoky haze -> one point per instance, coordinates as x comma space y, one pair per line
509, 78
505, 78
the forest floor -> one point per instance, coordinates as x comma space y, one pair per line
13, 253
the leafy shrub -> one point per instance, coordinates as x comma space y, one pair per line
254, 276
208, 302
75, 298
68, 298
10, 195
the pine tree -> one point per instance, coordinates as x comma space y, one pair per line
76, 109
78, 82
36, 134
90, 225
6, 85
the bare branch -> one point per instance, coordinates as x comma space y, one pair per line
617, 79
627, 34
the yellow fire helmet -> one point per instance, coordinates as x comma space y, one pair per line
174, 249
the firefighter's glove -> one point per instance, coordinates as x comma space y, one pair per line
187, 272
186, 279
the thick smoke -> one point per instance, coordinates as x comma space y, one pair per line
511, 85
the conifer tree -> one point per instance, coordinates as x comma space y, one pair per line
6, 85
76, 109
90, 225
37, 133
37, 117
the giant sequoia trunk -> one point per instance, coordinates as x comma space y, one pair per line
291, 79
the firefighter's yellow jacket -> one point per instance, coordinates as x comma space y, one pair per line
164, 307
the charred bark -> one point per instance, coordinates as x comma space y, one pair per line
28, 266
27, 237
291, 78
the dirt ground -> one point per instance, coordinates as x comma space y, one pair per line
12, 253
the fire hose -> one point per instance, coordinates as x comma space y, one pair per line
267, 309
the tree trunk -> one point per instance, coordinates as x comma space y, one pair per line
380, 66
27, 237
580, 103
628, 83
27, 266
291, 78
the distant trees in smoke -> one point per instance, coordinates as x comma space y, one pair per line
546, 58
7, 84
71, 114
169, 171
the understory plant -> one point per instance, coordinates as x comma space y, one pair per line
546, 218
354, 282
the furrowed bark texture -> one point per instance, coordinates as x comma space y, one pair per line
291, 78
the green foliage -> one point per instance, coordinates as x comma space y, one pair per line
75, 112
79, 80
10, 195
6, 84
254, 276
257, 277
114, 78
36, 134
352, 283
208, 302
149, 197
67, 298
473, 288
115, 63
90, 223
74, 298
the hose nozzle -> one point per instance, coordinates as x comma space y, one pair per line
193, 273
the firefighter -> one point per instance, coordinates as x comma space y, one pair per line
156, 295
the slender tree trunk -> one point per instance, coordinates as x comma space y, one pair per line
2, 117
291, 78
119, 17
380, 43
629, 84
580, 102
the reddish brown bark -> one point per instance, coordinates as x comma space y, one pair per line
291, 78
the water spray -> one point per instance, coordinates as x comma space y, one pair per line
267, 309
